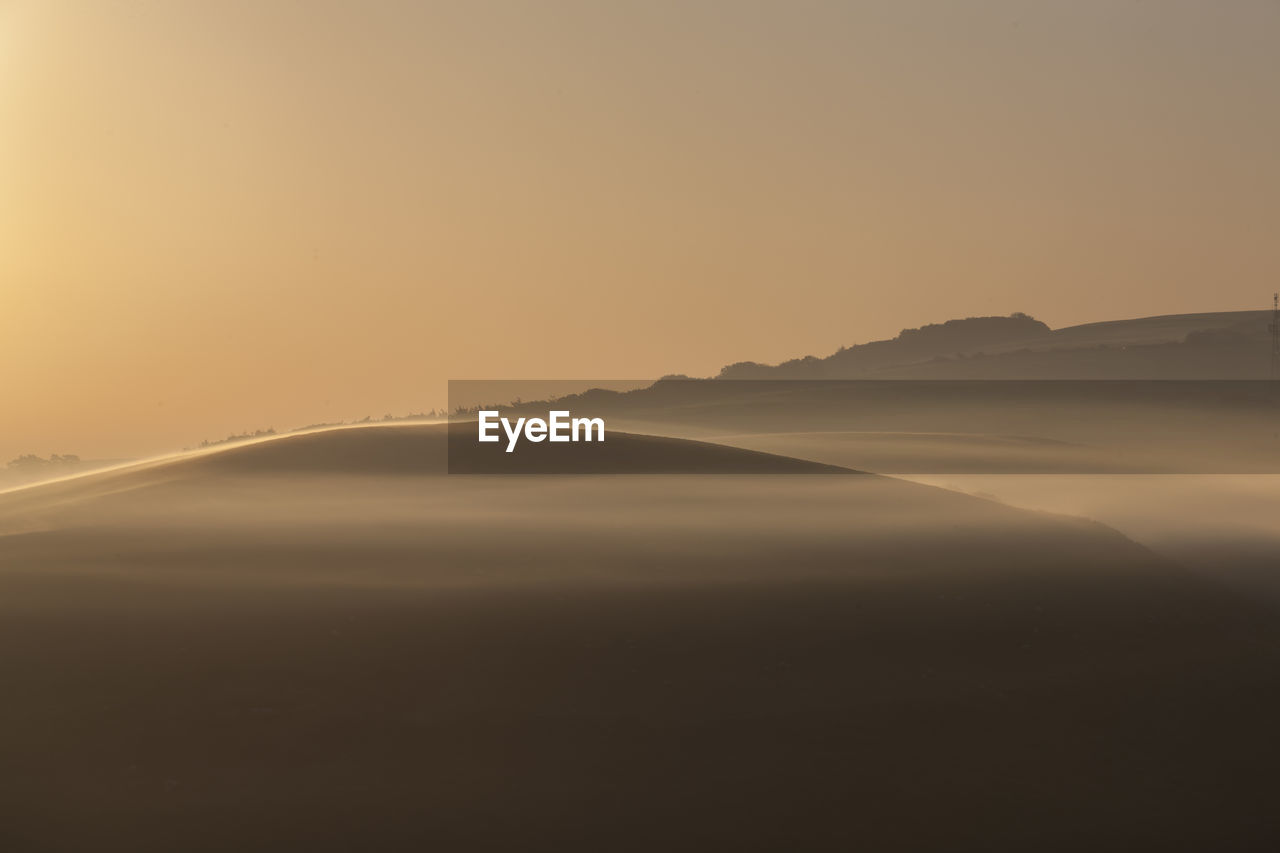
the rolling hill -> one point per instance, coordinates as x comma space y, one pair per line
1221, 345
323, 642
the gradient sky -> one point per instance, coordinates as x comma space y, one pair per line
219, 216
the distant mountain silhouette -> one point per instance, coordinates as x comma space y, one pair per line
1222, 345
910, 345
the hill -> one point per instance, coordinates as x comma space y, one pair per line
402, 450
320, 642
1224, 345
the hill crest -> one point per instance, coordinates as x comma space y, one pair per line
1218, 345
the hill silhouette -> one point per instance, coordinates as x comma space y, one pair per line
1224, 345
910, 345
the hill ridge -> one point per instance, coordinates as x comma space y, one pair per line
1213, 345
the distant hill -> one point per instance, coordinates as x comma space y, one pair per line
910, 345
1221, 345
30, 468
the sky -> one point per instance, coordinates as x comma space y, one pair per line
218, 217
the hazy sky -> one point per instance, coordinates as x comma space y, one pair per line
218, 216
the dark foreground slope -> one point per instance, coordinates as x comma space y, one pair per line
212, 655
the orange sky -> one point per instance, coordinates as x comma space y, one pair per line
222, 216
